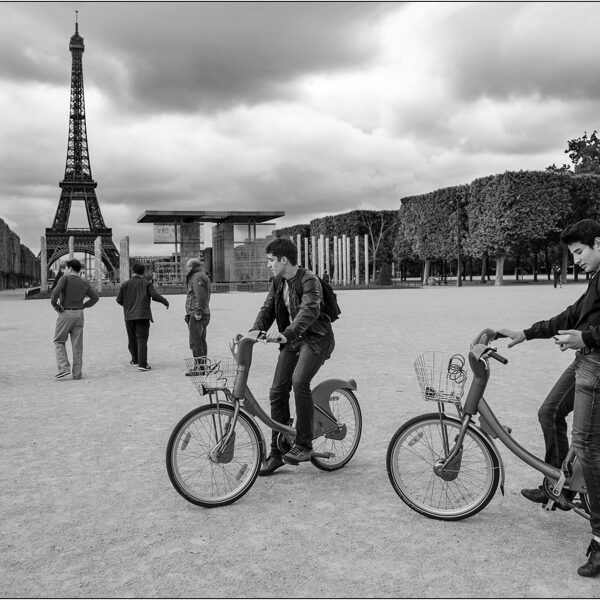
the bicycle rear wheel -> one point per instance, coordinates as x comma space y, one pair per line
340, 444
464, 490
203, 470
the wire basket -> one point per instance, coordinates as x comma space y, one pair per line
212, 372
441, 376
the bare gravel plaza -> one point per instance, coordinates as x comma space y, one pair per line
88, 510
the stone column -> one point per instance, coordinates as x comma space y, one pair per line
349, 263
321, 254
124, 260
98, 263
344, 262
366, 259
336, 269
299, 246
356, 257
43, 264
327, 259
313, 247
305, 263
71, 247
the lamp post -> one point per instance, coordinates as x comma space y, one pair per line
458, 270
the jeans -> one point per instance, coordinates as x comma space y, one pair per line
138, 331
69, 322
297, 364
577, 390
197, 331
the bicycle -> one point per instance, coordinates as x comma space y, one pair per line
215, 451
447, 467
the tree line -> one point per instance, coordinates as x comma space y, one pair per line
510, 219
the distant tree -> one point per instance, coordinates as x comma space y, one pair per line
564, 169
510, 212
584, 153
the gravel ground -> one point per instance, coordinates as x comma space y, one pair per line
88, 510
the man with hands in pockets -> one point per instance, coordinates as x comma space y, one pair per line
577, 390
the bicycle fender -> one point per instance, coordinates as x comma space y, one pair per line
324, 389
493, 445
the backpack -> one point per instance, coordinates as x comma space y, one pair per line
329, 304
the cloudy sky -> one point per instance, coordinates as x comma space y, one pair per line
312, 108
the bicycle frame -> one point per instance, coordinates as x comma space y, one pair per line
242, 398
475, 403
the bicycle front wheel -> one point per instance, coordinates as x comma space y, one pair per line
205, 470
341, 444
463, 490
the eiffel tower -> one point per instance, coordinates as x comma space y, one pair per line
78, 184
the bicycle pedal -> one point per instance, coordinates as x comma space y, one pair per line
323, 454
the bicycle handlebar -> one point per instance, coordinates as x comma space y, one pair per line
484, 338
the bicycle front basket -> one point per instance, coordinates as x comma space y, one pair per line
441, 376
212, 372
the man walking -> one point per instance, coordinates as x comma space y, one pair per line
71, 290
197, 307
134, 296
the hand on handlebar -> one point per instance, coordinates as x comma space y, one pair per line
276, 337
516, 336
263, 336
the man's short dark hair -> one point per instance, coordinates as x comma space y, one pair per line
284, 247
74, 265
138, 269
585, 232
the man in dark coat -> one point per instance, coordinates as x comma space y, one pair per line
134, 296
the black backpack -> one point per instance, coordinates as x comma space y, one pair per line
329, 304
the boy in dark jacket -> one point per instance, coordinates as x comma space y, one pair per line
578, 388
134, 296
306, 342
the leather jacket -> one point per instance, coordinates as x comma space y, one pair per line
307, 319
584, 316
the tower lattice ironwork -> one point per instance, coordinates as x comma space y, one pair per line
78, 184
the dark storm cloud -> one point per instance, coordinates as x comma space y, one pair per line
503, 50
185, 56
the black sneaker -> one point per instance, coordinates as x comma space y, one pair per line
297, 455
133, 364
272, 463
592, 566
539, 495
144, 368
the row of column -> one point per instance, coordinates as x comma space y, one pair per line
333, 256
97, 258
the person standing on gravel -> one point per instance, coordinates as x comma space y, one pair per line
578, 388
71, 291
134, 296
197, 308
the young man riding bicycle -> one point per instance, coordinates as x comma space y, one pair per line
306, 341
578, 388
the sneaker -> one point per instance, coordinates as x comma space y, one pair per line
272, 463
63, 374
144, 368
540, 496
297, 455
592, 566
133, 364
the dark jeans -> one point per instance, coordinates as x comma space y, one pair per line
297, 364
577, 390
197, 330
138, 331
